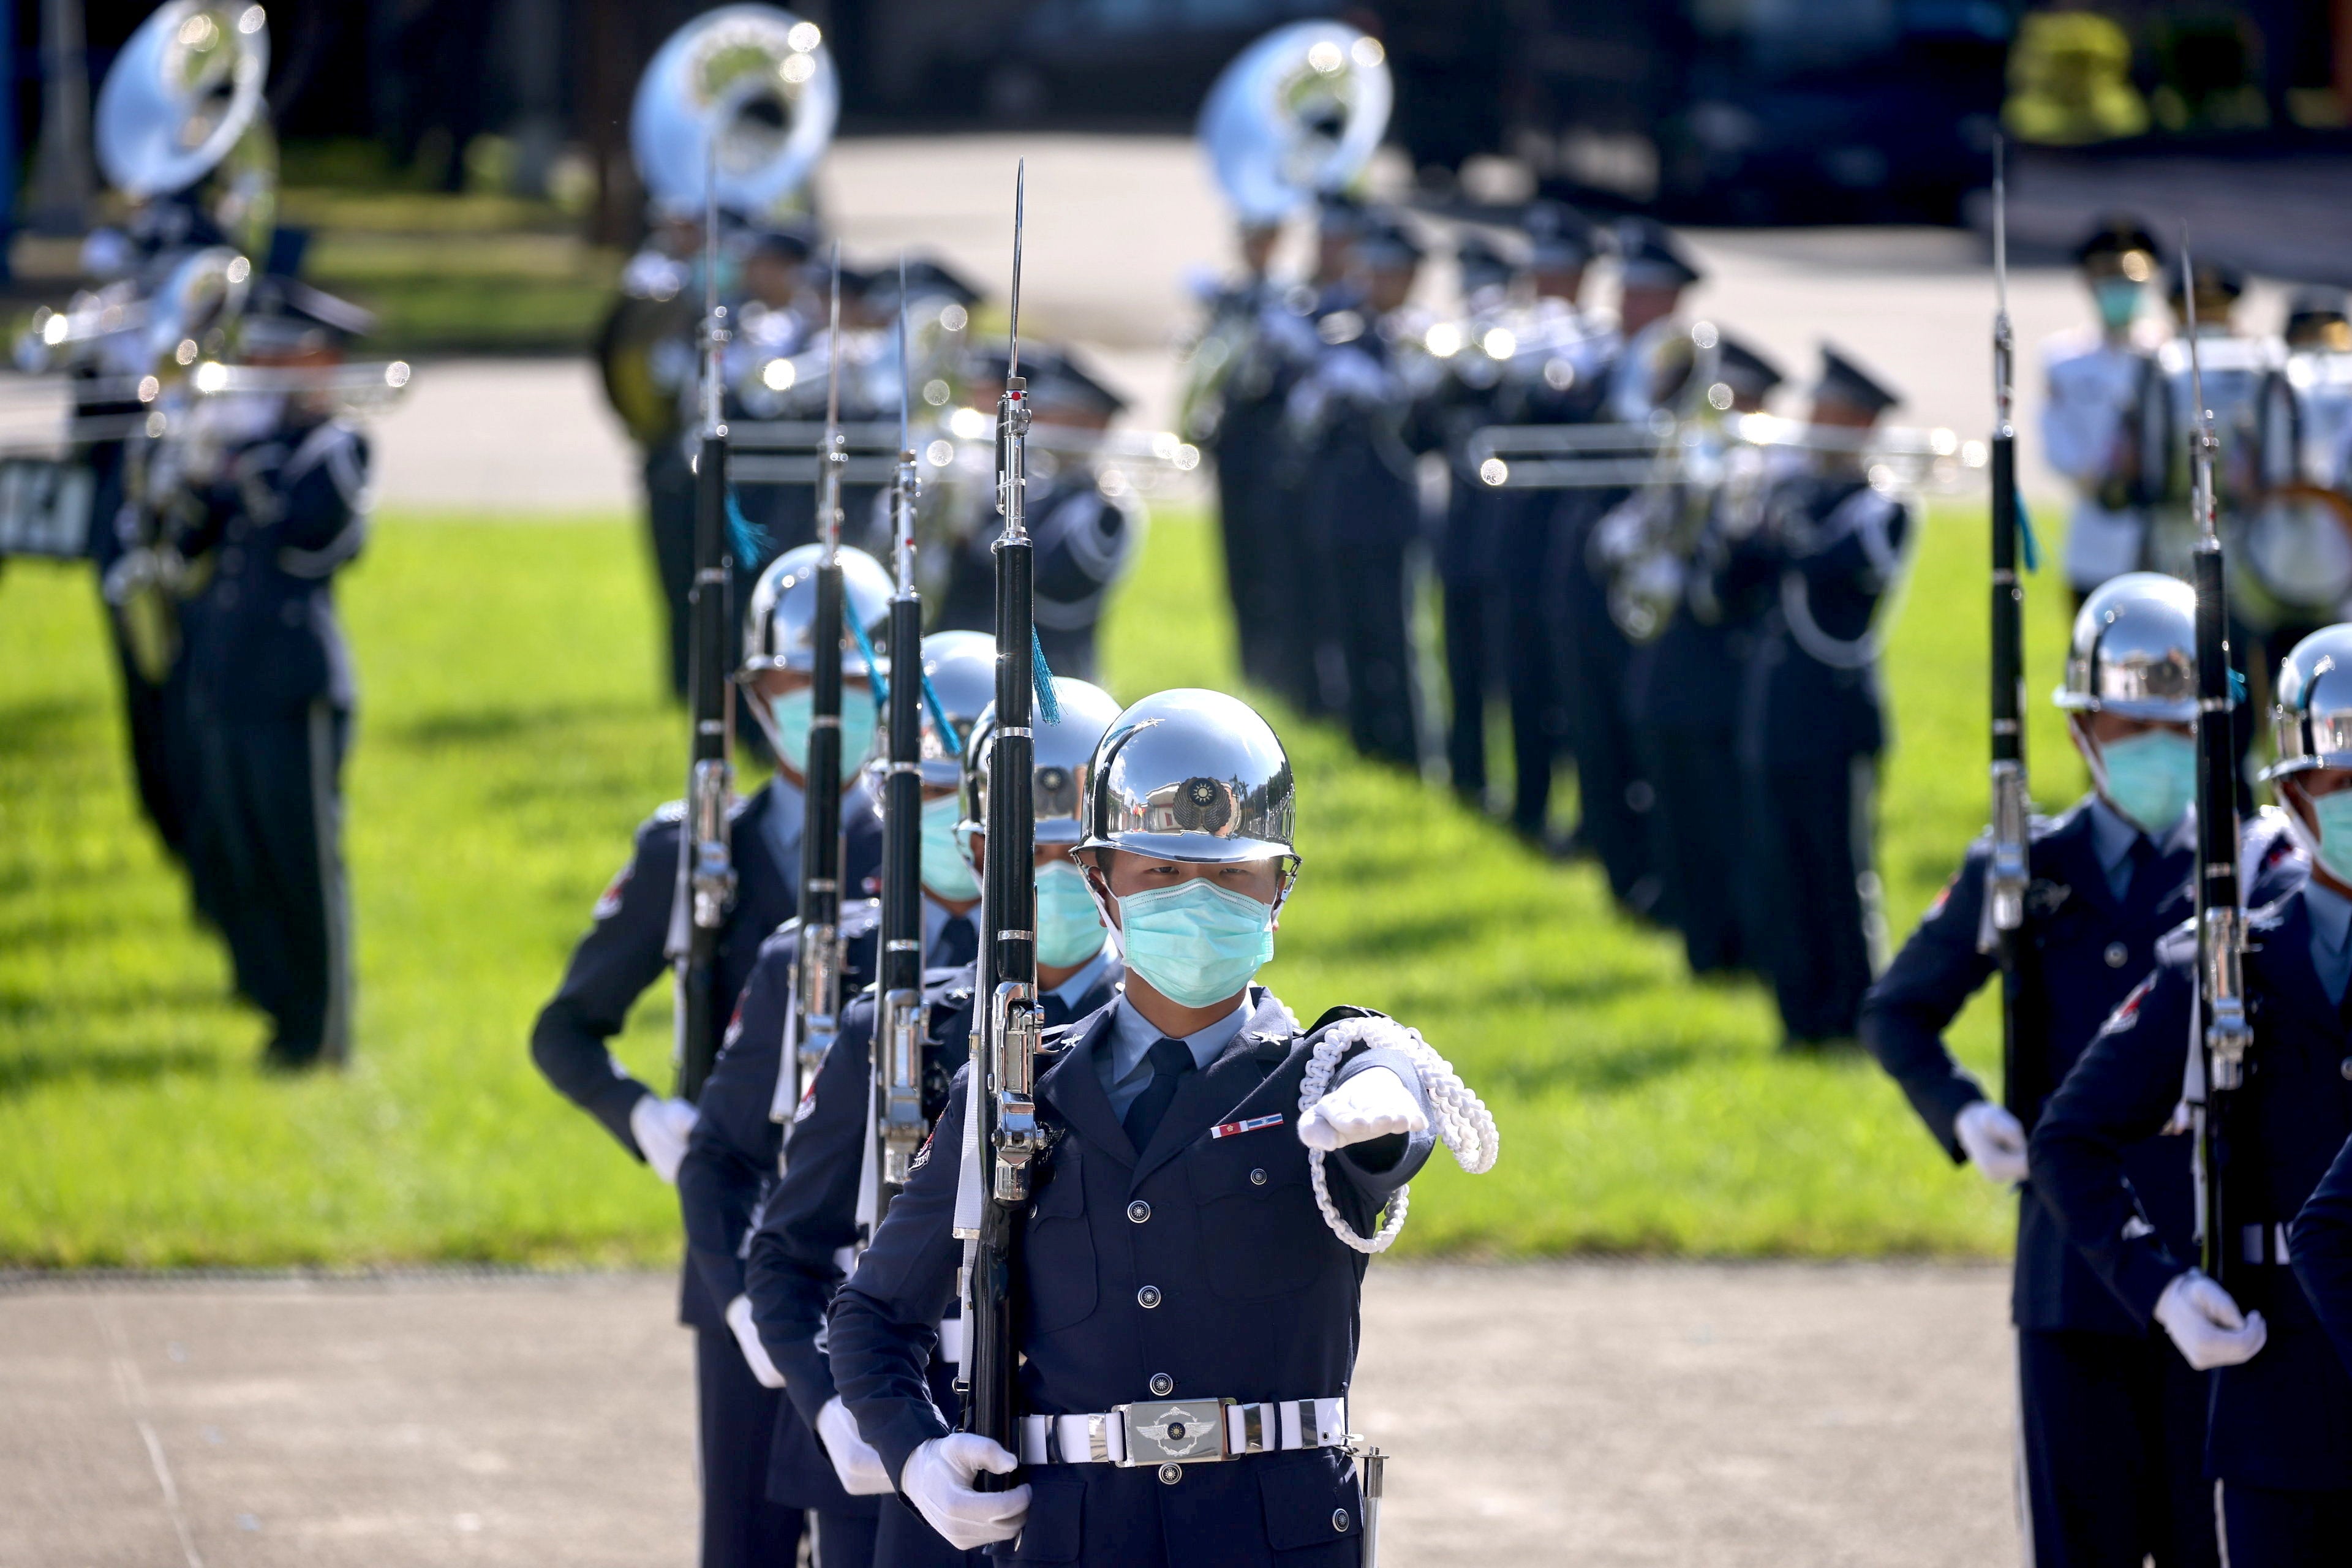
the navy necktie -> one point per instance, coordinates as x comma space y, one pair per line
1170, 1060
958, 944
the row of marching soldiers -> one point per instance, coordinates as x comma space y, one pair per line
1213, 1175
1630, 628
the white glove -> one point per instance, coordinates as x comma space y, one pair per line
2207, 1324
1372, 1104
661, 1128
861, 1470
1993, 1141
747, 1334
938, 1480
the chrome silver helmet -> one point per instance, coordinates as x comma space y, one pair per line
961, 668
2134, 650
1065, 753
2312, 720
777, 632
1190, 774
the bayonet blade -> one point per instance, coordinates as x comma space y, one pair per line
1020, 200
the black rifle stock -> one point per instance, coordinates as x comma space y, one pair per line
817, 991
2224, 1032
2006, 870
706, 868
1007, 1019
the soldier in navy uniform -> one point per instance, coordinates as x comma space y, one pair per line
1361, 507
2114, 1420
280, 507
2279, 1445
731, 1155
1614, 799
1174, 1250
1229, 412
1812, 724
1087, 537
1680, 704
627, 950
811, 1221
2321, 1250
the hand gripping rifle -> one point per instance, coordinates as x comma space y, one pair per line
2223, 1031
900, 1127
2006, 874
817, 991
706, 864
1004, 1141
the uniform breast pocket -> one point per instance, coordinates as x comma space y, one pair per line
1057, 1256
1259, 1225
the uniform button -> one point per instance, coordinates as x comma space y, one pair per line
1163, 1386
1139, 1211
2115, 954
1171, 1474
1340, 1520
1257, 1178
1149, 1296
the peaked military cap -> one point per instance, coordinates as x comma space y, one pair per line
2117, 234
1747, 373
1559, 236
926, 280
1057, 378
1650, 259
1384, 241
1843, 381
283, 314
1482, 266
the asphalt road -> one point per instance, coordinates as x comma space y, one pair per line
1610, 1415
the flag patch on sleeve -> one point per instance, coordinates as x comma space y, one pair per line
1228, 1129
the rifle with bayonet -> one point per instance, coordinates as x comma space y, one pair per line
2006, 873
816, 990
900, 1127
2224, 1031
1003, 1141
706, 866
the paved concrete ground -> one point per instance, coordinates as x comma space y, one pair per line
1596, 1413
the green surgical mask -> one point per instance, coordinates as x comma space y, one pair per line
1069, 927
2334, 814
2151, 778
790, 717
946, 872
2118, 302
1195, 942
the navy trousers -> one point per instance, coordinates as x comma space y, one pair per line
2270, 1529
741, 1528
2114, 1441
905, 1539
842, 1541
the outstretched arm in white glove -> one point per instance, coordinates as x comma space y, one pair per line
747, 1334
938, 1480
2207, 1324
661, 1128
1374, 1103
1993, 1140
860, 1468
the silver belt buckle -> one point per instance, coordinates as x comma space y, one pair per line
1175, 1431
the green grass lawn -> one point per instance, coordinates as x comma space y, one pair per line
511, 738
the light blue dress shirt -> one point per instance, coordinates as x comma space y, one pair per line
2331, 936
1123, 1061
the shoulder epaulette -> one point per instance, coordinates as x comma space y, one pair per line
670, 811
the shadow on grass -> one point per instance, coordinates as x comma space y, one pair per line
23, 1072
38, 726
492, 726
1612, 1071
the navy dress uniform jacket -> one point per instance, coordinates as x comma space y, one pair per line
732, 1162
2322, 1247
1250, 1298
2284, 1420
626, 951
2083, 950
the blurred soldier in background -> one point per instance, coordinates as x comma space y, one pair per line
1830, 548
1361, 508
1614, 798
1087, 537
276, 504
1228, 408
626, 950
1684, 703
2114, 1419
2103, 386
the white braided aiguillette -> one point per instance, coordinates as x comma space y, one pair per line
1464, 1124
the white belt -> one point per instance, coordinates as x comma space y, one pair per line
1183, 1432
951, 1339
